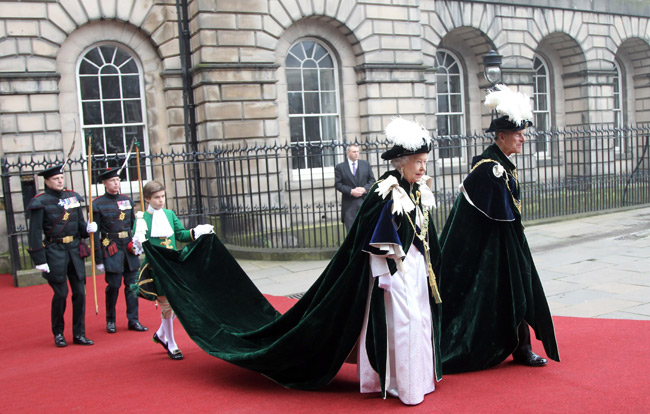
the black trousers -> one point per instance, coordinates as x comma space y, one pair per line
78, 287
114, 280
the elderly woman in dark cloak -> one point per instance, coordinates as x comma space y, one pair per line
377, 298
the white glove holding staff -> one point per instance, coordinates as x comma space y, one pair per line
43, 268
91, 227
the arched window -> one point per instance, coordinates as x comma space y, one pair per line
450, 100
312, 85
541, 107
112, 107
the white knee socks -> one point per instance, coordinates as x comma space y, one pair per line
167, 326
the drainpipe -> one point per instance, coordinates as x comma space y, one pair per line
188, 105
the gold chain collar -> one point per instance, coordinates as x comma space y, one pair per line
512, 173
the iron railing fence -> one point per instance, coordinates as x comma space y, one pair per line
20, 184
281, 196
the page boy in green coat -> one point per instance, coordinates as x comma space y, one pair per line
162, 228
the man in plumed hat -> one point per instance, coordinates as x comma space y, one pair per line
56, 227
115, 255
490, 288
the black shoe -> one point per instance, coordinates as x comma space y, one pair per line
157, 340
177, 354
82, 340
110, 327
137, 326
529, 359
59, 341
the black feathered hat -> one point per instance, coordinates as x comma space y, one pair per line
408, 138
514, 108
503, 123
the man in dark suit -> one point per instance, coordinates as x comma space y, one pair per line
114, 214
56, 214
353, 178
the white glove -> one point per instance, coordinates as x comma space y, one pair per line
100, 268
385, 282
140, 226
91, 227
139, 215
202, 229
137, 244
43, 268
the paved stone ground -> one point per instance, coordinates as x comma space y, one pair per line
594, 267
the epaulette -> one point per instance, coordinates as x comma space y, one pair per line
35, 203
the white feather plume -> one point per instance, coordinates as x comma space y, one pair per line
515, 105
407, 134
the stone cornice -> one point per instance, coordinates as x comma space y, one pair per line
391, 66
640, 8
29, 75
207, 67
588, 72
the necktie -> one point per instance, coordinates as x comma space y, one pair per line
354, 168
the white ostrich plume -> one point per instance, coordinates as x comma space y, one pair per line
515, 105
407, 134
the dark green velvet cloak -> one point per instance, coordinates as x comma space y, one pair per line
488, 281
227, 316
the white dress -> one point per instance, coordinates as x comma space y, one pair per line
410, 361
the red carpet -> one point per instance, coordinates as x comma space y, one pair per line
605, 368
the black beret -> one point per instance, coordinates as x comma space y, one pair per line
52, 171
109, 173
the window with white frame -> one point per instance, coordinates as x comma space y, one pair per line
619, 138
541, 107
450, 113
112, 108
314, 119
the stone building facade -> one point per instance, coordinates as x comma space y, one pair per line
307, 70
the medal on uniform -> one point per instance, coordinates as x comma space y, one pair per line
66, 216
105, 242
124, 204
122, 215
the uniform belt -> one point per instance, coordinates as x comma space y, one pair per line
64, 240
119, 235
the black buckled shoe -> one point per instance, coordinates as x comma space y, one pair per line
529, 359
82, 340
110, 327
157, 340
176, 355
137, 326
59, 341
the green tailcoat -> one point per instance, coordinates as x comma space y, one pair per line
304, 348
179, 234
488, 281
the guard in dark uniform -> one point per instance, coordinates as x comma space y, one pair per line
55, 227
114, 214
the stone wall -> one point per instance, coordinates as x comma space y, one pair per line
385, 52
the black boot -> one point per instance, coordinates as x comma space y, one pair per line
524, 354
